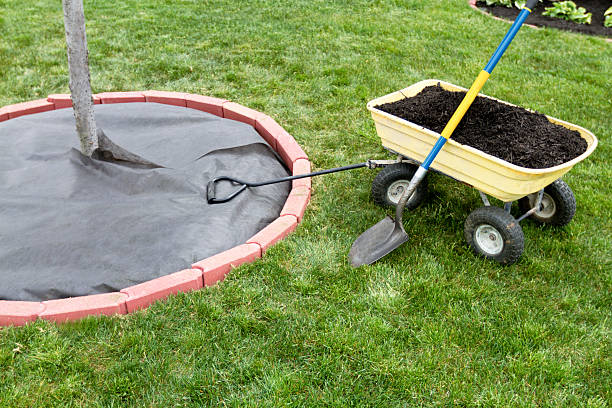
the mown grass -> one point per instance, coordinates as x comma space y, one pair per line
429, 325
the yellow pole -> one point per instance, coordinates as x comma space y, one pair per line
465, 104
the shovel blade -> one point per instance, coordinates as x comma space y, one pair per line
379, 240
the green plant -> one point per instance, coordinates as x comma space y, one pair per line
608, 17
567, 10
506, 3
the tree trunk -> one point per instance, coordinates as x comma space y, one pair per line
78, 66
94, 143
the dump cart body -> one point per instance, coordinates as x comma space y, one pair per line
489, 174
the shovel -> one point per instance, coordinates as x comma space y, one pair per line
388, 234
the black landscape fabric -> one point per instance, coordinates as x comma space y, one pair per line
73, 226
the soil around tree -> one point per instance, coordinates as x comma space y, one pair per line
596, 7
511, 133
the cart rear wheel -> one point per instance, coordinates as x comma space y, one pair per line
558, 204
391, 182
494, 234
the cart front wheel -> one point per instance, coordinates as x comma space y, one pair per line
558, 204
391, 182
494, 234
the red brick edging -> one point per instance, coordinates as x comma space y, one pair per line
206, 272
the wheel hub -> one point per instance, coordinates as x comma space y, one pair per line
489, 239
547, 208
396, 190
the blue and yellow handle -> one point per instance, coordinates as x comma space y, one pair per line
478, 84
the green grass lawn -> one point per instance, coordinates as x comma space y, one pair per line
429, 325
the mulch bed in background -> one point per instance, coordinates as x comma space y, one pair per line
511, 133
597, 7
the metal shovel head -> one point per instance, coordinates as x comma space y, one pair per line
379, 240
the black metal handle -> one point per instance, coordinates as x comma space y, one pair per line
211, 191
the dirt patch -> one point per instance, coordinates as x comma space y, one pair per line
511, 133
597, 7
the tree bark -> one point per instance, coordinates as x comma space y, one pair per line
80, 84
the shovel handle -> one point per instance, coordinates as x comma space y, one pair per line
478, 84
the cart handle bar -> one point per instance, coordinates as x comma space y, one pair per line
212, 193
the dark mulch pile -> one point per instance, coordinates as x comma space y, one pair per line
510, 133
596, 7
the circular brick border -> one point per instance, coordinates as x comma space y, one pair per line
472, 4
206, 272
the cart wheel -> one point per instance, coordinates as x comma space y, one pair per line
390, 183
494, 234
558, 204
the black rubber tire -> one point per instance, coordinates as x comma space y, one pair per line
394, 173
504, 226
559, 205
